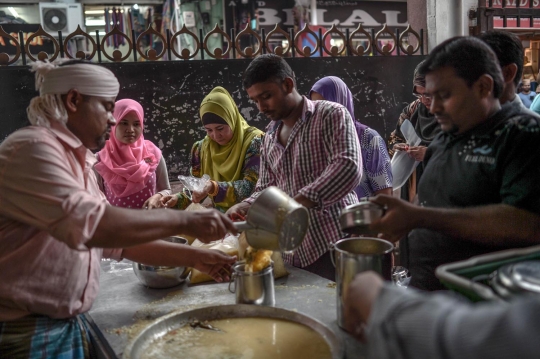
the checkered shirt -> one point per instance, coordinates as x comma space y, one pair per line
321, 161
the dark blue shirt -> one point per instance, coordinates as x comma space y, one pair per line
496, 162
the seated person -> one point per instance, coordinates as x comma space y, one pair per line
229, 154
131, 170
377, 177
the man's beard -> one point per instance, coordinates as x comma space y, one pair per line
102, 140
454, 129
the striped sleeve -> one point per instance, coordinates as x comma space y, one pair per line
342, 153
266, 177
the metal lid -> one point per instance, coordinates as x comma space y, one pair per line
526, 275
517, 278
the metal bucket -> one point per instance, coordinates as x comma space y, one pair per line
354, 255
253, 287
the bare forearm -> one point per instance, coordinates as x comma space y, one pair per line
162, 253
121, 227
495, 224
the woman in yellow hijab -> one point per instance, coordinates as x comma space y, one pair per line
229, 154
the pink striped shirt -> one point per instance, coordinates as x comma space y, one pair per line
50, 206
320, 161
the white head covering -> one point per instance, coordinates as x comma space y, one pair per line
89, 79
53, 80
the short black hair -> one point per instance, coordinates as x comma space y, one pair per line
470, 58
508, 48
267, 67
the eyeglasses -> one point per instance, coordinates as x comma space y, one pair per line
420, 95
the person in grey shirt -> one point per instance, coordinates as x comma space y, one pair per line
400, 323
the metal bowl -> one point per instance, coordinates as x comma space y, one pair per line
161, 276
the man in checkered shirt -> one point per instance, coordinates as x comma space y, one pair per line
310, 151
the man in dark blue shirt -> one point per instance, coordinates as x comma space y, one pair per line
479, 192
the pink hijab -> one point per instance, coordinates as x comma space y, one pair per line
125, 167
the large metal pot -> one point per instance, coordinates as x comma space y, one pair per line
356, 218
160, 276
275, 221
146, 339
354, 255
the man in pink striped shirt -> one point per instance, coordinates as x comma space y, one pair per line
310, 151
55, 224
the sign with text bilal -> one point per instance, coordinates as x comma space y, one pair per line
343, 13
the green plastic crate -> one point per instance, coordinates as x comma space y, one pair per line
458, 276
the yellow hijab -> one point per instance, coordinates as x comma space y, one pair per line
225, 163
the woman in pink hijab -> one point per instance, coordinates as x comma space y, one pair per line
132, 170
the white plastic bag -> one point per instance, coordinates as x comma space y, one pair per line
402, 165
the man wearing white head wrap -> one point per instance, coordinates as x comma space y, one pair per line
69, 80
55, 224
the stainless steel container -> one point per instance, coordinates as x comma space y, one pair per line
253, 287
275, 221
356, 218
147, 338
354, 255
160, 276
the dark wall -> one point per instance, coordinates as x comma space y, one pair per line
171, 92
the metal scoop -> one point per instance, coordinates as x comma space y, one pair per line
275, 221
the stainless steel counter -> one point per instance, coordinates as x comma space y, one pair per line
124, 306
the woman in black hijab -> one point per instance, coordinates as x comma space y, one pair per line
426, 127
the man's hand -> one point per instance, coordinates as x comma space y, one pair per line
304, 201
207, 225
359, 298
153, 202
161, 253
417, 152
215, 263
169, 201
239, 210
400, 217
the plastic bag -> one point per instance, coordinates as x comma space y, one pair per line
194, 183
228, 245
195, 207
402, 165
